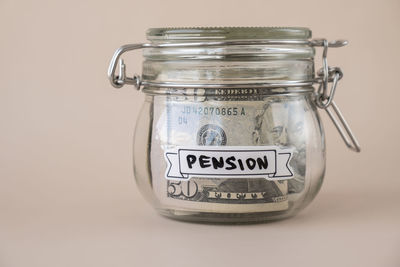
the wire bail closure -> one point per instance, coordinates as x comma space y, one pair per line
326, 75
324, 98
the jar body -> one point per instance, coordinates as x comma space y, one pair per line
228, 118
243, 113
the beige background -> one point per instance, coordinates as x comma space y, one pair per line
67, 193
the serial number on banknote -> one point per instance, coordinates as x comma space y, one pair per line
221, 111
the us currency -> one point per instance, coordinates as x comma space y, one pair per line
237, 121
296, 137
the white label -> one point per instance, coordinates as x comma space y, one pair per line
269, 162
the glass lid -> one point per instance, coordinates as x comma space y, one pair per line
228, 33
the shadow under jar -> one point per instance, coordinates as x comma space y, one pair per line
229, 131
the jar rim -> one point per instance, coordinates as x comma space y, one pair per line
227, 33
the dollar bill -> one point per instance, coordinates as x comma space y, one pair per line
227, 120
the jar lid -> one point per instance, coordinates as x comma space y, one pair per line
228, 33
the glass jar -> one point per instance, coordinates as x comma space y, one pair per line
229, 131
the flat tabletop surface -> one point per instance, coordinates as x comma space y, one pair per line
121, 229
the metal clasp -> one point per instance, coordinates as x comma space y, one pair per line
121, 79
324, 98
345, 133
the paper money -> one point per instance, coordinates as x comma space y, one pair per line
226, 120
